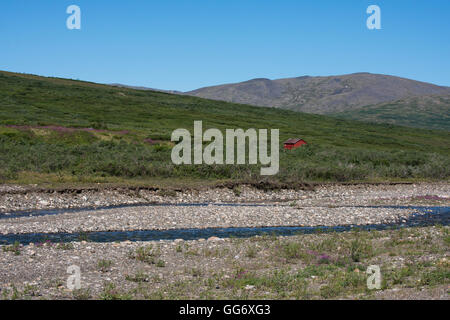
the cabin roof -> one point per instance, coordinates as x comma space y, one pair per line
292, 141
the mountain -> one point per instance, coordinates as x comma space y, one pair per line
60, 131
321, 95
428, 112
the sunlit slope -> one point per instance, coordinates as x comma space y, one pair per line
429, 112
133, 128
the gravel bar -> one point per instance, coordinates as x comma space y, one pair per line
172, 217
331, 205
19, 198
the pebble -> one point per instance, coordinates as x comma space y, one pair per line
215, 239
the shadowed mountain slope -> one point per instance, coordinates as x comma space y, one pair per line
428, 112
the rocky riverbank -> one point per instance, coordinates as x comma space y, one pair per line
19, 198
245, 207
414, 261
414, 265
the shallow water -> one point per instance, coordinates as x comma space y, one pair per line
424, 216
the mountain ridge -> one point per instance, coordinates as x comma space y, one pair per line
321, 94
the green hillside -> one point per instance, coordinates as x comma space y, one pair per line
45, 137
429, 112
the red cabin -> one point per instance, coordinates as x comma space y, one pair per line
293, 143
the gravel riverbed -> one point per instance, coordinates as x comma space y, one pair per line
19, 198
213, 268
324, 206
171, 217
297, 267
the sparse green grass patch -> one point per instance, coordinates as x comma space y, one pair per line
104, 265
111, 292
148, 255
139, 277
14, 248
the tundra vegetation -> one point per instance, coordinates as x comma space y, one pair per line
62, 131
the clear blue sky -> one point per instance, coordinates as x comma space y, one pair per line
183, 45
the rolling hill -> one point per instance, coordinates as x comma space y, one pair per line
322, 95
64, 131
